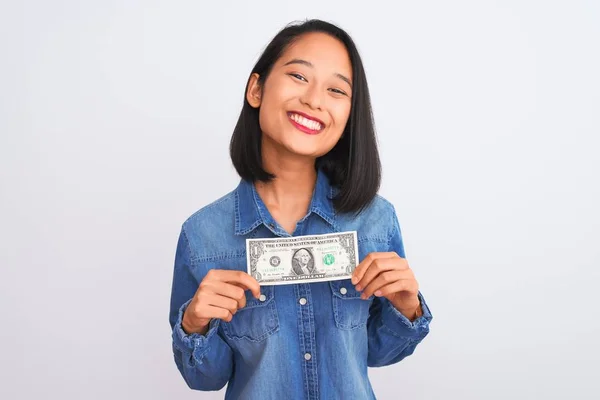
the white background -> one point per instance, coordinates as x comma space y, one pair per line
115, 119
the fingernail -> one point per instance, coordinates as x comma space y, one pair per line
378, 293
354, 280
362, 296
358, 287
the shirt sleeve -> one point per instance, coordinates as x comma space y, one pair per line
392, 336
204, 361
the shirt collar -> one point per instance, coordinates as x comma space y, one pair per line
250, 211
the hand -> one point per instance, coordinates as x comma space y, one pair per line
219, 295
388, 275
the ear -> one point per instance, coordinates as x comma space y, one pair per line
254, 93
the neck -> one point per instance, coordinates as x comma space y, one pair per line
295, 178
288, 195
291, 188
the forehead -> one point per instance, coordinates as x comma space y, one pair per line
326, 53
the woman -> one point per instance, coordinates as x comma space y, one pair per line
305, 148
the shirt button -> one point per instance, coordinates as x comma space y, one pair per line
343, 290
307, 356
302, 301
262, 297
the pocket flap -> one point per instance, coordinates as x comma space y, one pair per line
266, 296
344, 289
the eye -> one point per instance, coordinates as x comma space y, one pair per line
298, 76
338, 91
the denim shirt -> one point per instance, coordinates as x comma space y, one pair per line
299, 341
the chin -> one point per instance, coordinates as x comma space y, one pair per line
306, 151
303, 146
310, 148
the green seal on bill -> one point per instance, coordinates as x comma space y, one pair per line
328, 259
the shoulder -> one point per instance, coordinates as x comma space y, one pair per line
212, 226
377, 221
381, 206
212, 213
378, 210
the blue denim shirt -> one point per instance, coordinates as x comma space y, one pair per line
302, 341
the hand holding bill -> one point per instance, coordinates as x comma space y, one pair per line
220, 295
388, 275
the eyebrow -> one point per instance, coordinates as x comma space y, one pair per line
310, 65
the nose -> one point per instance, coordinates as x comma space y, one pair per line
312, 97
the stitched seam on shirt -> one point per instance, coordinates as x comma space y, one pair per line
377, 239
273, 319
246, 231
315, 357
390, 331
337, 304
402, 346
301, 328
323, 215
236, 199
238, 218
179, 348
192, 254
202, 354
391, 235
210, 206
255, 196
394, 217
416, 329
221, 256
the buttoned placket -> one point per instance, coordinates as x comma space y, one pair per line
306, 320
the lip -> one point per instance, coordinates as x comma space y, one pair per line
307, 117
303, 128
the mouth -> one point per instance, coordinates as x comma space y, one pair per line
306, 123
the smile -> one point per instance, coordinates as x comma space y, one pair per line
305, 123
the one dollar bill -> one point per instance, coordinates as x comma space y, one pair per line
302, 259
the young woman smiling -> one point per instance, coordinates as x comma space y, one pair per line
305, 149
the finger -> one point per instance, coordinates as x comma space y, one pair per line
375, 268
211, 312
242, 299
244, 280
230, 290
380, 280
222, 313
361, 268
217, 300
385, 278
405, 285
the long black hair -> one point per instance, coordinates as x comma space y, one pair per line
353, 165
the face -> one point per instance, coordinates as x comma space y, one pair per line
303, 256
305, 101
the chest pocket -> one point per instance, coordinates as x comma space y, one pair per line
349, 310
257, 320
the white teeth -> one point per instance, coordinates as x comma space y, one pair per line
313, 125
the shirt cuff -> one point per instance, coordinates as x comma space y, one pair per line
401, 326
194, 343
